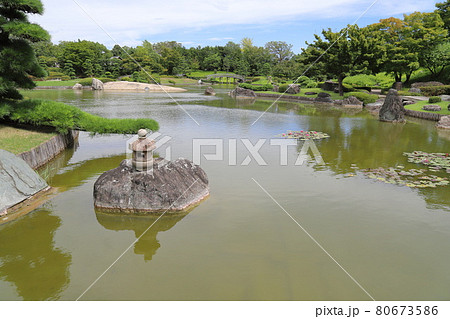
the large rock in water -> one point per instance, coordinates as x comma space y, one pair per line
241, 92
97, 84
170, 186
392, 109
18, 181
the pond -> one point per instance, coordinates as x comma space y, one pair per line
239, 244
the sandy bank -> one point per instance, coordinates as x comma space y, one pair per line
124, 85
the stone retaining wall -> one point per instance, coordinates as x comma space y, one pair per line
423, 115
43, 153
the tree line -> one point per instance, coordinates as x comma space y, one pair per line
395, 46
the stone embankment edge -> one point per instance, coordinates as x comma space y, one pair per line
423, 115
37, 157
417, 114
48, 150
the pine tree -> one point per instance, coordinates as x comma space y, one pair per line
17, 58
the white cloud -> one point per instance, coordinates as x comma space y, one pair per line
132, 20
220, 39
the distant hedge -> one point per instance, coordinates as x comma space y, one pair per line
65, 117
265, 87
435, 90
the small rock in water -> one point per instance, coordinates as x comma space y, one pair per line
210, 91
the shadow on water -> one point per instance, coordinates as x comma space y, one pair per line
38, 269
148, 244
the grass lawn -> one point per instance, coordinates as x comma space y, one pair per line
57, 83
418, 107
334, 96
204, 74
165, 80
262, 80
17, 140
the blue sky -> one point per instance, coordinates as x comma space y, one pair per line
203, 22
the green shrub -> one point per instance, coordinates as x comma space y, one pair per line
85, 82
255, 79
172, 82
126, 78
434, 99
435, 90
283, 87
366, 80
361, 80
106, 80
145, 77
311, 84
406, 93
348, 88
363, 88
265, 87
64, 117
306, 82
366, 98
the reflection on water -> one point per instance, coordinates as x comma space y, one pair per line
148, 244
29, 258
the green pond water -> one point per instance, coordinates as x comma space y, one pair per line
239, 244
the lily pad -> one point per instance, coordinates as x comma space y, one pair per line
305, 135
436, 161
414, 178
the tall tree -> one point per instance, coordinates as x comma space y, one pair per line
87, 58
280, 50
342, 53
17, 58
424, 32
443, 9
398, 58
437, 59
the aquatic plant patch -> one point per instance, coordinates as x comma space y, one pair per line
305, 135
435, 161
414, 178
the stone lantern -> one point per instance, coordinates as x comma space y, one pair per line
142, 158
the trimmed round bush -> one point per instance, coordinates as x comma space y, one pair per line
283, 88
434, 99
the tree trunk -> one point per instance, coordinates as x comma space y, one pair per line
440, 72
341, 85
408, 76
